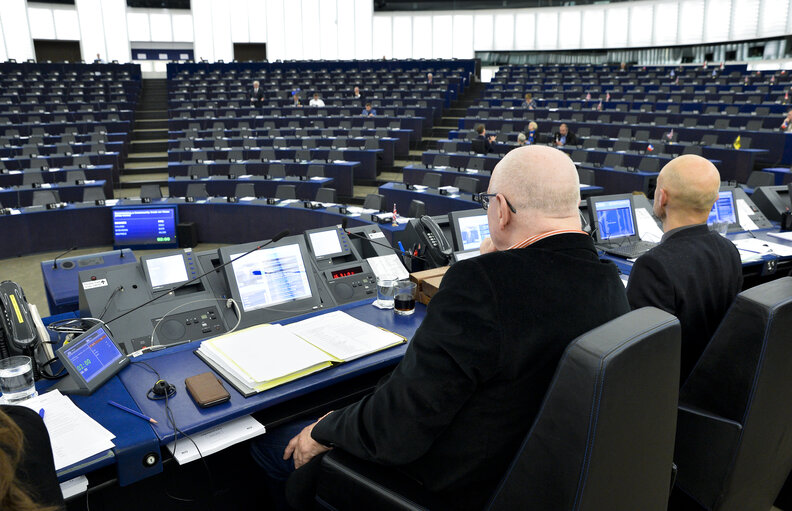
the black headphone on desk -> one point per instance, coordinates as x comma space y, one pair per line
161, 390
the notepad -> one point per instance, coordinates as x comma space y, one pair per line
262, 357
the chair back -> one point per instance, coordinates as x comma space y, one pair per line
604, 436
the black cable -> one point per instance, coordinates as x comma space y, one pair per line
109, 301
275, 238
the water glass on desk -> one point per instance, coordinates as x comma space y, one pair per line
404, 300
386, 289
16, 379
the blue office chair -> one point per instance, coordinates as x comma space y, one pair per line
603, 438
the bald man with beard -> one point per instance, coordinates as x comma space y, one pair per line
694, 273
454, 412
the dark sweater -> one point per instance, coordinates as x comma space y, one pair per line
694, 274
36, 470
456, 409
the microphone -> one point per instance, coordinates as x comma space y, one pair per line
55, 261
399, 252
274, 239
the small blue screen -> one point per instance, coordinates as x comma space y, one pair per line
92, 354
144, 226
723, 209
615, 218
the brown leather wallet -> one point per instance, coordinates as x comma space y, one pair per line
206, 389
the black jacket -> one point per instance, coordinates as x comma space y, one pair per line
571, 139
694, 274
36, 470
258, 95
455, 410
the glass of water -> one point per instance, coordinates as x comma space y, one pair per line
386, 290
16, 379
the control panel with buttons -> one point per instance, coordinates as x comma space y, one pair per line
184, 326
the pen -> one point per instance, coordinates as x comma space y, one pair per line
401, 247
41, 413
133, 412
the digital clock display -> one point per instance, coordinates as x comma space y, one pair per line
346, 272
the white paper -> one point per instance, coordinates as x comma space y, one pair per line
74, 435
216, 439
762, 247
648, 229
264, 353
343, 336
111, 202
72, 487
783, 235
745, 212
388, 267
376, 235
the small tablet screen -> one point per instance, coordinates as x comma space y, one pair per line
93, 357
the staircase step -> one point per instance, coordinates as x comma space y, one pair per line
151, 114
150, 134
159, 167
149, 146
151, 124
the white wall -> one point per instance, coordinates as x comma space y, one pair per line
349, 29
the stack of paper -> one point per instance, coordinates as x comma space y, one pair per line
215, 439
74, 435
265, 356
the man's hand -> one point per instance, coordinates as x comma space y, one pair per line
303, 447
487, 246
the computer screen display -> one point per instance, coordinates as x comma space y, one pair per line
723, 209
473, 230
92, 354
615, 218
166, 271
153, 227
325, 243
270, 277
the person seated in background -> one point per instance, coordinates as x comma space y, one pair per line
530, 102
316, 101
564, 137
27, 469
476, 351
257, 94
694, 273
357, 95
429, 78
787, 124
485, 141
368, 111
296, 99
532, 133
521, 140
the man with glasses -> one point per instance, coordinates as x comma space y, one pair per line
454, 412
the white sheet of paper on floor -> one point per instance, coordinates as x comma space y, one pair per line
216, 439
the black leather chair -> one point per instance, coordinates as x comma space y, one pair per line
467, 184
315, 171
196, 191
245, 190
150, 192
326, 195
32, 177
417, 209
286, 192
432, 180
734, 434
374, 201
603, 439
93, 194
199, 171
277, 170
44, 197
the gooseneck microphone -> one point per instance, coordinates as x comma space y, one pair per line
55, 261
274, 239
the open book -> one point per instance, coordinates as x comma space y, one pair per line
265, 356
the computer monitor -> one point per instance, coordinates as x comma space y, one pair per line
469, 228
145, 227
723, 210
613, 217
773, 201
328, 243
272, 282
91, 359
168, 271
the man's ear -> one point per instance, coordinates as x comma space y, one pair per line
504, 213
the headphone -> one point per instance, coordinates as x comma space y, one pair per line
161, 390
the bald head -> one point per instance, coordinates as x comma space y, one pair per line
538, 178
692, 182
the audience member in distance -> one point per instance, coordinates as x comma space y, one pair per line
257, 94
296, 99
486, 140
476, 350
316, 101
429, 78
357, 95
532, 133
564, 137
694, 273
530, 102
787, 124
368, 111
521, 140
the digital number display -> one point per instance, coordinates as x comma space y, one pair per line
346, 273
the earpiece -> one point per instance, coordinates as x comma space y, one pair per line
161, 390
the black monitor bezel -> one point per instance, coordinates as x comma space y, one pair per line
592, 201
456, 232
146, 246
85, 386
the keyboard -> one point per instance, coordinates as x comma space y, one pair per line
629, 250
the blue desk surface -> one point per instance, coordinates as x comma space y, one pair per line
178, 363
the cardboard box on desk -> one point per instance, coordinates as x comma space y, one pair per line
428, 282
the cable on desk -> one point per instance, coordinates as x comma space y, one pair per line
228, 302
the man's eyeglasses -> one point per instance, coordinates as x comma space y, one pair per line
484, 199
